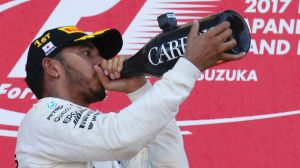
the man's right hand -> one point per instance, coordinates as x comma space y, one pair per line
108, 72
207, 49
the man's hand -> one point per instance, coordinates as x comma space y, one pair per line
207, 49
109, 75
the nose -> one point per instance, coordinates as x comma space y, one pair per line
98, 59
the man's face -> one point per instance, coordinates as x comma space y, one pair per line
78, 62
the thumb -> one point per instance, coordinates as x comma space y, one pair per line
102, 77
232, 57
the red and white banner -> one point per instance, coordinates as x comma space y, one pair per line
241, 114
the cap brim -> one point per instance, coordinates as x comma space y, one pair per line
109, 42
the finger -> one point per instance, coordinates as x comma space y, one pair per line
225, 35
109, 66
112, 76
102, 77
230, 57
115, 64
219, 28
117, 75
120, 63
228, 44
104, 66
194, 30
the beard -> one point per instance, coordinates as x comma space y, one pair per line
83, 84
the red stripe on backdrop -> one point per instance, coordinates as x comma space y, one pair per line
8, 127
4, 1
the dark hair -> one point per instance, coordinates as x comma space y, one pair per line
37, 86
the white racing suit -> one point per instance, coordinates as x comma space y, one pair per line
57, 133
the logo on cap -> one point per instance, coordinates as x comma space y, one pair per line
48, 48
70, 29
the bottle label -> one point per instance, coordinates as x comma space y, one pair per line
167, 51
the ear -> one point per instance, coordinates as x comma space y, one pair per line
51, 67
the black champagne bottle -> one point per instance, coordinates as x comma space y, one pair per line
162, 52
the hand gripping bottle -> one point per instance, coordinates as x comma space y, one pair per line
162, 52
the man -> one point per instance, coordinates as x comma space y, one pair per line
67, 70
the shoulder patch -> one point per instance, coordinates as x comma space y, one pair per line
52, 105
